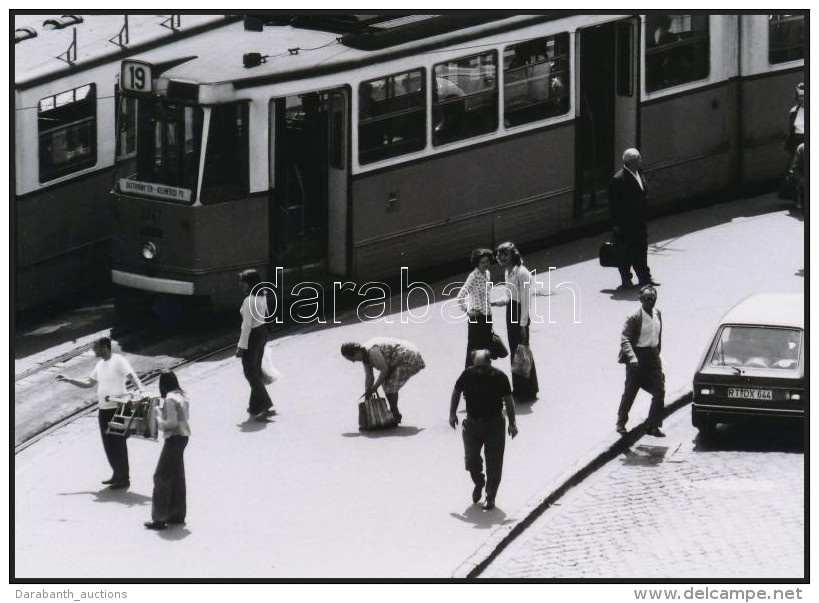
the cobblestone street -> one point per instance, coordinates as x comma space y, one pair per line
676, 508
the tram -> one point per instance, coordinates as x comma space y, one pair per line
65, 69
347, 147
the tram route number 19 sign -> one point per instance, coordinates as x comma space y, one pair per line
136, 76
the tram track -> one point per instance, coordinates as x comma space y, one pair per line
47, 364
198, 352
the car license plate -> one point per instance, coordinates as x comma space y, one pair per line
750, 394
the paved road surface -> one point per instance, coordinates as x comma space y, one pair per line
308, 496
677, 507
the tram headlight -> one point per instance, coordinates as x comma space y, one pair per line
149, 251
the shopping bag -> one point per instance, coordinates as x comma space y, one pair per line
496, 348
609, 255
522, 364
134, 417
269, 372
373, 413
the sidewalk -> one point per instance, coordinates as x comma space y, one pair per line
308, 496
677, 508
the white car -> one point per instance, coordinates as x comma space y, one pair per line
755, 364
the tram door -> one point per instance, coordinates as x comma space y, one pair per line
607, 103
309, 212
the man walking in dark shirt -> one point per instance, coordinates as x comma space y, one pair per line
486, 390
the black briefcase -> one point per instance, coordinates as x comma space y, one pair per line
609, 255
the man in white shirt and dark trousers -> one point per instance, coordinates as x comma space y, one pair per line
109, 375
640, 345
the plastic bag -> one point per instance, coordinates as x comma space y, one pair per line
522, 364
269, 372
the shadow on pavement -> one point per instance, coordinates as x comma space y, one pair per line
524, 408
629, 294
174, 533
751, 437
252, 425
125, 497
481, 519
797, 214
401, 431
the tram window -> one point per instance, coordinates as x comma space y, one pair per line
786, 38
465, 98
534, 76
168, 143
225, 175
126, 127
67, 132
677, 50
392, 116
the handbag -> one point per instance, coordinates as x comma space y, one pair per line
497, 349
373, 413
522, 364
609, 255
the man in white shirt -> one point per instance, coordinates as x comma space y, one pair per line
109, 375
640, 345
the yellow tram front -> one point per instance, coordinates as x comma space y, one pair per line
184, 222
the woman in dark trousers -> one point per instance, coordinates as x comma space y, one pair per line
252, 340
168, 505
473, 299
517, 283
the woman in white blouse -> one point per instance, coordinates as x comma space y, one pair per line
517, 284
252, 340
473, 298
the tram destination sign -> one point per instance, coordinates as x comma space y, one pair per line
160, 191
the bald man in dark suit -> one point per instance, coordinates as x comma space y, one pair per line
627, 202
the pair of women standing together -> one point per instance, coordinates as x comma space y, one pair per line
474, 300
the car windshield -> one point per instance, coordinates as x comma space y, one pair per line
757, 347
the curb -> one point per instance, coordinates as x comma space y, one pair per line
607, 451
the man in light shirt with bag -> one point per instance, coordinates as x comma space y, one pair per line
640, 345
